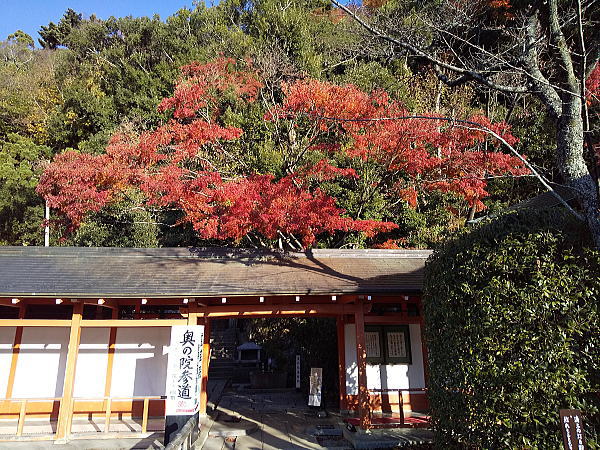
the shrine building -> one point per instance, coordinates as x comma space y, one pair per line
84, 332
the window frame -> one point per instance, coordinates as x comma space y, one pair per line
382, 333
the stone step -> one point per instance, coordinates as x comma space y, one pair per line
224, 341
212, 367
223, 363
224, 347
224, 370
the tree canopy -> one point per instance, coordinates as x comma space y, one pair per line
318, 134
186, 163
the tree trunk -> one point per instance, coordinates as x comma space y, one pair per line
572, 165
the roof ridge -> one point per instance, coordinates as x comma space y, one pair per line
210, 252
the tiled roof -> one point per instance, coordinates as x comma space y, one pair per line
174, 272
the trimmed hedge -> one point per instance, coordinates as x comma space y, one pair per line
513, 332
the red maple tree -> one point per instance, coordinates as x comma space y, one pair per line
433, 155
169, 165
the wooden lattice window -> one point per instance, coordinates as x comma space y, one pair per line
388, 344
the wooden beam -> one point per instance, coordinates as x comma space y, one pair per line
361, 358
22, 414
205, 367
397, 320
107, 415
8, 302
133, 323
65, 413
341, 342
192, 315
265, 314
16, 348
273, 310
34, 323
110, 356
145, 415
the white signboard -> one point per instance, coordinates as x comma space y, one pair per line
316, 385
297, 371
184, 370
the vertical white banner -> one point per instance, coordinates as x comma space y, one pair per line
316, 386
184, 370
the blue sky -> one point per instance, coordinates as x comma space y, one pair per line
29, 15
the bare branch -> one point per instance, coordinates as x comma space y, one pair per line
474, 75
543, 88
558, 39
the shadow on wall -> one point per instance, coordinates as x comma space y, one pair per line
62, 367
151, 374
140, 367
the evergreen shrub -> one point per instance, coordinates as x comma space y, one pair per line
513, 332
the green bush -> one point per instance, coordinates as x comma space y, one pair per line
513, 329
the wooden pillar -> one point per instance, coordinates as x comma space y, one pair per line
361, 359
425, 354
112, 339
341, 341
205, 367
192, 314
16, 348
137, 309
65, 414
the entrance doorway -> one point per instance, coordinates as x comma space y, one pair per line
259, 354
260, 405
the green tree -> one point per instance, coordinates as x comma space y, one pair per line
53, 35
28, 89
21, 209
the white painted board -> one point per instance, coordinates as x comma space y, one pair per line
184, 370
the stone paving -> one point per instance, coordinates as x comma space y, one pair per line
282, 420
153, 441
275, 420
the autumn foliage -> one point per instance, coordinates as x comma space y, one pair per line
430, 153
172, 165
592, 86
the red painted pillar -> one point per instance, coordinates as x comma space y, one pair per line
341, 339
361, 359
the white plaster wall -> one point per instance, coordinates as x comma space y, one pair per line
90, 374
139, 366
140, 363
41, 364
7, 336
390, 376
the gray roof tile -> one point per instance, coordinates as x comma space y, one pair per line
175, 272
